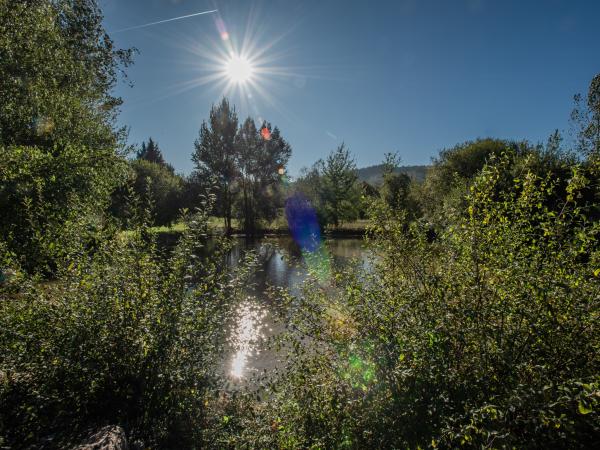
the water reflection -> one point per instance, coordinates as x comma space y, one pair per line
281, 265
246, 336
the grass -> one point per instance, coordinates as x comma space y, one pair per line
279, 225
357, 225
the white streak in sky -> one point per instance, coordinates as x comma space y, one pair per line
164, 21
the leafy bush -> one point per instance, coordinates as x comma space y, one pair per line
486, 336
122, 336
52, 201
454, 170
158, 185
58, 68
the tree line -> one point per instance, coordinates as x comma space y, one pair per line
242, 163
246, 167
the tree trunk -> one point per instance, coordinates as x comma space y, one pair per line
227, 211
247, 224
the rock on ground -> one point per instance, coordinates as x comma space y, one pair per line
111, 437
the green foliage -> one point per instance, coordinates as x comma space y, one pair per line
52, 201
150, 152
396, 191
163, 187
485, 337
586, 120
57, 68
123, 335
261, 155
339, 191
159, 188
215, 155
244, 163
332, 187
452, 172
57, 137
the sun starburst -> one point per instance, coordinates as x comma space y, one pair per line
247, 64
239, 68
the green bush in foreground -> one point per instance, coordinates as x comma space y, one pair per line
52, 201
486, 337
122, 336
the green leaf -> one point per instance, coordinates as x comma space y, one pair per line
583, 409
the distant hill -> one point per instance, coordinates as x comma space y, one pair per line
372, 174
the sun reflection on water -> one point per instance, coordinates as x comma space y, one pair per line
246, 337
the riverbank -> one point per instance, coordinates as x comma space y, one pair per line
276, 228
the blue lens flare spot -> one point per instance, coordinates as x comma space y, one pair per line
303, 223
304, 227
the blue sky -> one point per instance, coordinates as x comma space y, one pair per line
408, 76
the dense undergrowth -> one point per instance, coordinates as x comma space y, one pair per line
481, 334
484, 336
121, 335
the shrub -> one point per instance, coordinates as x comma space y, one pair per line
122, 336
486, 336
52, 201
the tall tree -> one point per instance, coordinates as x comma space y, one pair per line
247, 144
262, 156
396, 186
273, 155
57, 71
215, 155
339, 190
57, 127
586, 119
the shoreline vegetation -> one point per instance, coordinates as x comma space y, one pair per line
476, 326
279, 228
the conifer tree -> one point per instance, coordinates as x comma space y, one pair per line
339, 191
151, 152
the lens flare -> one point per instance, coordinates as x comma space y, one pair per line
43, 125
358, 368
222, 29
304, 226
265, 133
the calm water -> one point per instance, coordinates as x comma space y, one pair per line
281, 265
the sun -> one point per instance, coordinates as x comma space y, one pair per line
244, 66
239, 69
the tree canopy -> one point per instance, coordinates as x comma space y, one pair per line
332, 186
245, 163
215, 154
57, 70
150, 152
57, 126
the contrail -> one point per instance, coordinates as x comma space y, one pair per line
166, 20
